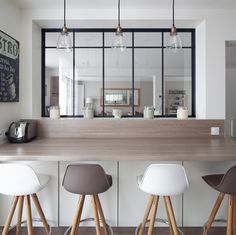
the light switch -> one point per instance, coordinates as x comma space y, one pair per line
215, 131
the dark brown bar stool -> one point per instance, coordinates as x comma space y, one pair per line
225, 184
87, 179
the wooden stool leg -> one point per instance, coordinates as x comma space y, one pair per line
19, 217
147, 212
230, 215
75, 225
168, 217
28, 215
95, 212
100, 211
214, 212
10, 215
153, 217
171, 214
40, 212
234, 217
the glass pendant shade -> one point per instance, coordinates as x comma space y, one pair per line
64, 40
119, 40
174, 41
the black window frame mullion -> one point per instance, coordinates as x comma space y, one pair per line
132, 47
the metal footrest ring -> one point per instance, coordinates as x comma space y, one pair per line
90, 220
24, 222
157, 220
214, 221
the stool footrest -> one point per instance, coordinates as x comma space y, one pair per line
214, 221
90, 220
157, 220
33, 220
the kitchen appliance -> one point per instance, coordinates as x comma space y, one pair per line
22, 131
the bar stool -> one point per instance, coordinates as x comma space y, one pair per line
22, 182
161, 180
225, 184
87, 179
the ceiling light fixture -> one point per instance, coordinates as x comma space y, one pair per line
119, 38
174, 41
64, 40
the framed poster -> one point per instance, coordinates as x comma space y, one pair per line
9, 68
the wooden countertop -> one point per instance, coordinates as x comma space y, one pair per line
121, 149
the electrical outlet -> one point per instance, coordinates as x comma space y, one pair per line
215, 131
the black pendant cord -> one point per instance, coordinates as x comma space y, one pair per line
64, 13
173, 12
119, 13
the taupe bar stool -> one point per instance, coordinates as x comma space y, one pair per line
87, 179
225, 184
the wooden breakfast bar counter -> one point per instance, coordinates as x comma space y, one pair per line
125, 149
124, 140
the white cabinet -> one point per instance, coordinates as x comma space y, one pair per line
200, 198
48, 197
68, 201
132, 201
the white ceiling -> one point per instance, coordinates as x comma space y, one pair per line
127, 4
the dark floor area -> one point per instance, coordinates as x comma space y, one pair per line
125, 231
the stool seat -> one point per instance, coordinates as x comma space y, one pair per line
163, 180
18, 180
213, 180
224, 183
86, 179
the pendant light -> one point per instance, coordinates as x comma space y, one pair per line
119, 39
64, 40
174, 41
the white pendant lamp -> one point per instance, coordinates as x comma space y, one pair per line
64, 40
174, 41
119, 38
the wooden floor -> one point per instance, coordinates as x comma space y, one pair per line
125, 231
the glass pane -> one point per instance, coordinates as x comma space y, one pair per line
118, 82
88, 79
59, 81
52, 38
148, 79
185, 38
110, 37
88, 39
147, 39
178, 81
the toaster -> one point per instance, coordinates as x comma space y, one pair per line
22, 131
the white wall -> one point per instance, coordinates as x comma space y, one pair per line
10, 24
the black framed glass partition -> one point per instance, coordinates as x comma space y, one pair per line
146, 73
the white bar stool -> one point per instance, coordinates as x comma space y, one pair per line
162, 180
21, 181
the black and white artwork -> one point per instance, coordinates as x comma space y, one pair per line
9, 68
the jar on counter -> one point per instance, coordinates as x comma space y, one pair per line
148, 112
88, 113
182, 113
54, 112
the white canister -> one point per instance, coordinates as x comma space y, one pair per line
88, 113
54, 112
148, 112
182, 113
